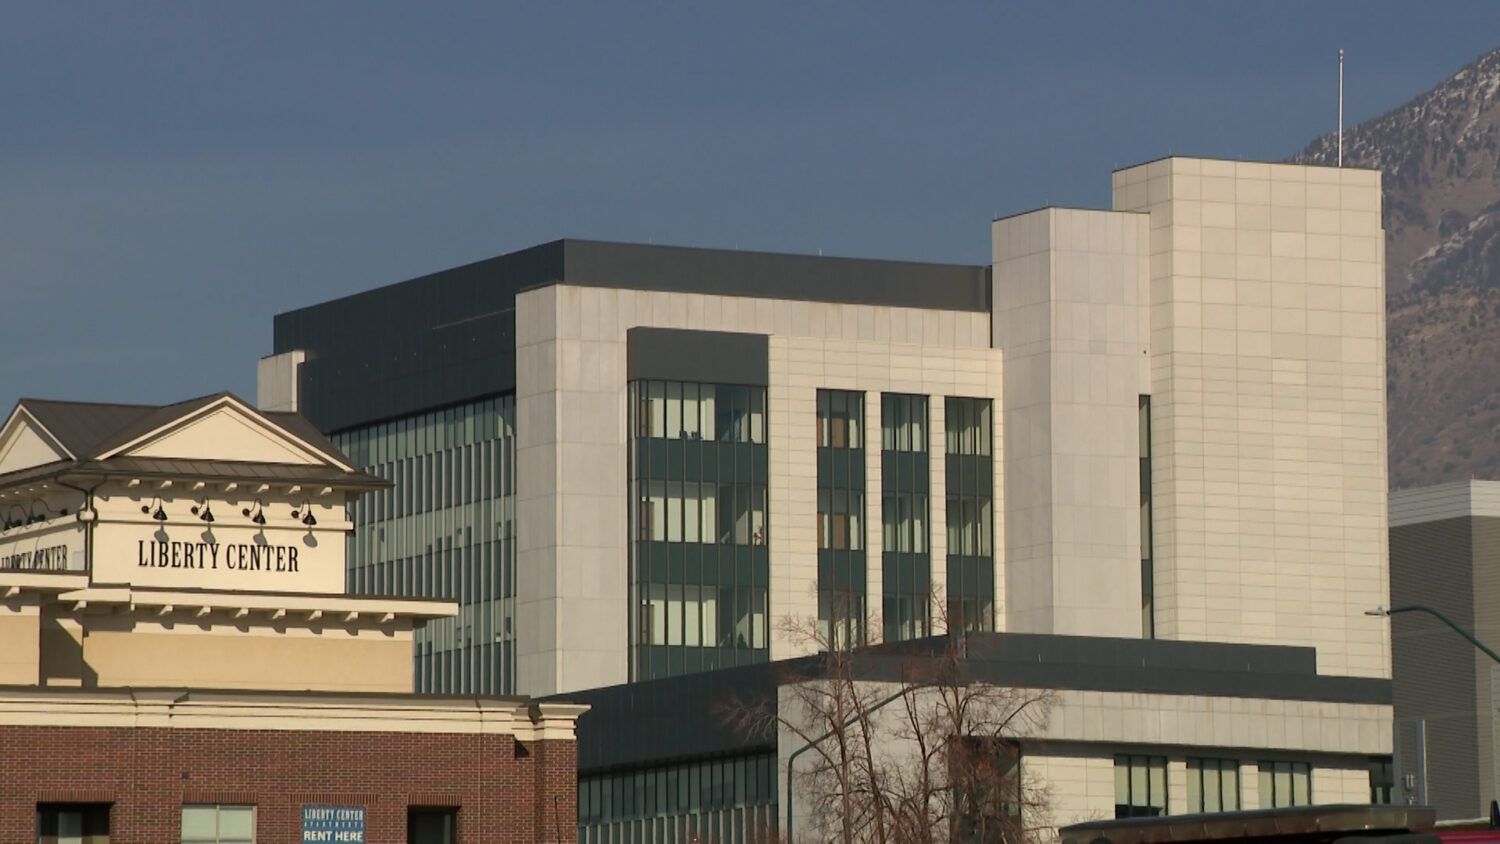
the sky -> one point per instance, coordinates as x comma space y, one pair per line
172, 175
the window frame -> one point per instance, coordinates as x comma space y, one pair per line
219, 835
1153, 769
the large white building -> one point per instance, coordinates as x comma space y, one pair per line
627, 463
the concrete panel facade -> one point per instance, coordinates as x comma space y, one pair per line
571, 390
1070, 303
1268, 389
1070, 755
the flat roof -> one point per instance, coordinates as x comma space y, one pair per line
683, 717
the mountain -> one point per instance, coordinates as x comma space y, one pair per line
1440, 156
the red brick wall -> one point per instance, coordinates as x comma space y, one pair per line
504, 790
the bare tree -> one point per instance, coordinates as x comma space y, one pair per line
901, 743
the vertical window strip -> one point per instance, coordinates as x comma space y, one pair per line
842, 587
906, 563
970, 520
1148, 575
699, 569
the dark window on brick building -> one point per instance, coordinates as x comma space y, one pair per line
431, 826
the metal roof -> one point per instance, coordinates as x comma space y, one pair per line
89, 430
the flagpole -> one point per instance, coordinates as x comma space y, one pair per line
1341, 108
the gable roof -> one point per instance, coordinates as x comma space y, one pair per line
81, 427
94, 432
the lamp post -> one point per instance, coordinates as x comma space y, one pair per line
1421, 723
1382, 611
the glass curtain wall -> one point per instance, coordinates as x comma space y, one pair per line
906, 561
726, 800
445, 529
699, 562
841, 518
971, 519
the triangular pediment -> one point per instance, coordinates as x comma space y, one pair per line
224, 430
24, 444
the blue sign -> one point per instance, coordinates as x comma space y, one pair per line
342, 824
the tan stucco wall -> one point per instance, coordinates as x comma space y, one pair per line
333, 660
19, 632
60, 651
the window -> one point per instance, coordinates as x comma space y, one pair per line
968, 426
903, 423
841, 419
72, 823
1213, 785
1382, 780
1140, 786
431, 826
840, 512
1285, 784
210, 824
719, 800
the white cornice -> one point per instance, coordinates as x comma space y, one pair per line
301, 712
278, 605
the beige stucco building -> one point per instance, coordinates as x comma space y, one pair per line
198, 544
182, 660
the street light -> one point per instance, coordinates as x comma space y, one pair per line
1382, 611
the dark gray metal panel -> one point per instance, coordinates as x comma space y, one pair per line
684, 715
676, 718
714, 357
1433, 667
811, 278
430, 342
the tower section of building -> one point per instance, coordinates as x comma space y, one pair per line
1267, 376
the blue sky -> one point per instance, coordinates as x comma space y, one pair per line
173, 174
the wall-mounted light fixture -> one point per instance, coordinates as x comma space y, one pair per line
10, 523
257, 513
201, 511
155, 509
304, 514
46, 514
